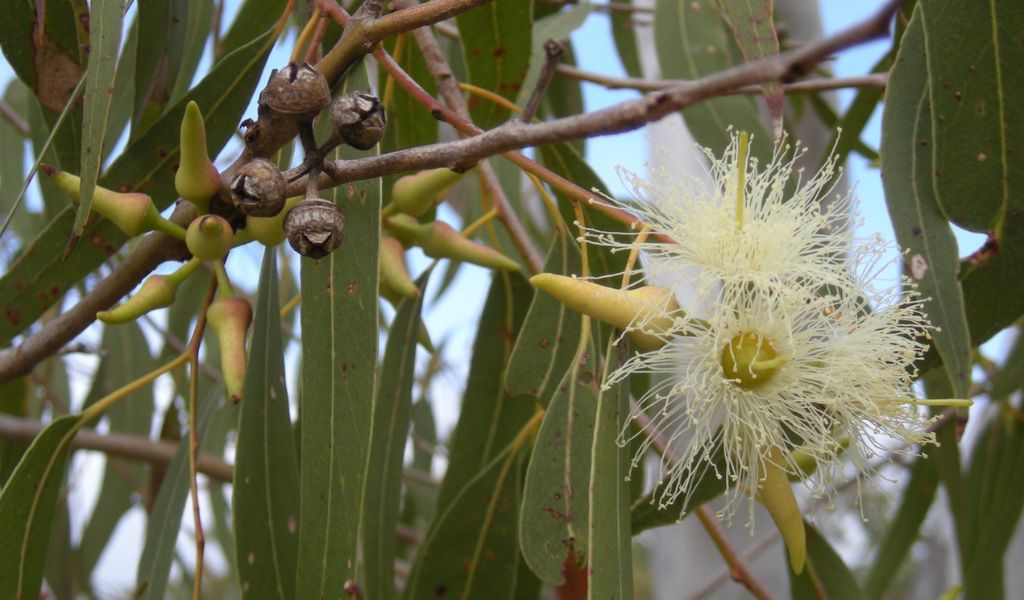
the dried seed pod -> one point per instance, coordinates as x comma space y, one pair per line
297, 92
315, 228
258, 189
359, 119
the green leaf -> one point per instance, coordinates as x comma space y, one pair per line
496, 38
27, 505
825, 576
265, 496
391, 415
471, 551
904, 530
933, 259
611, 541
555, 515
59, 554
545, 347
490, 416
105, 41
127, 357
40, 277
162, 24
994, 504
253, 15
554, 27
691, 42
197, 31
754, 31
624, 32
12, 168
158, 552
1010, 376
339, 360
120, 111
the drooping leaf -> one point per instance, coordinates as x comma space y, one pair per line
825, 575
490, 417
624, 32
339, 361
162, 24
27, 505
158, 551
127, 358
753, 29
496, 41
611, 540
200, 22
391, 416
547, 343
104, 41
40, 277
904, 530
265, 497
253, 15
932, 260
692, 42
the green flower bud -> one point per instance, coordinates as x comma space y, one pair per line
777, 496
394, 277
133, 213
439, 240
156, 292
269, 231
619, 308
209, 237
196, 179
229, 318
416, 194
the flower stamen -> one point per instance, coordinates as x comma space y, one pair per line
750, 361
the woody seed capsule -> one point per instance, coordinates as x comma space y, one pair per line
297, 92
315, 228
259, 188
359, 119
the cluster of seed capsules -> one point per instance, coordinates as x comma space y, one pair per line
249, 203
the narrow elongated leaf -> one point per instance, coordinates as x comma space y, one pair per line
1010, 376
496, 40
825, 575
265, 496
611, 540
905, 527
162, 25
556, 494
490, 416
253, 15
624, 33
127, 358
105, 40
692, 42
339, 361
471, 549
158, 552
59, 578
544, 349
753, 29
200, 22
27, 505
40, 277
933, 259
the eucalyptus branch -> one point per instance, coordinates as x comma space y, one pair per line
553, 50
875, 80
155, 248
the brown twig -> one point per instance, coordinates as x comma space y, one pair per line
553, 50
875, 80
193, 435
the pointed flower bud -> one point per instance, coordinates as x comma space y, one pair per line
643, 312
156, 292
439, 240
209, 237
196, 179
269, 231
416, 194
777, 496
394, 277
133, 213
229, 318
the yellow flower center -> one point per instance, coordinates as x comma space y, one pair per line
750, 360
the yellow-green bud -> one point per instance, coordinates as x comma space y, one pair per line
441, 241
394, 277
229, 318
619, 308
156, 292
416, 194
805, 462
777, 496
269, 231
196, 179
132, 212
209, 237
